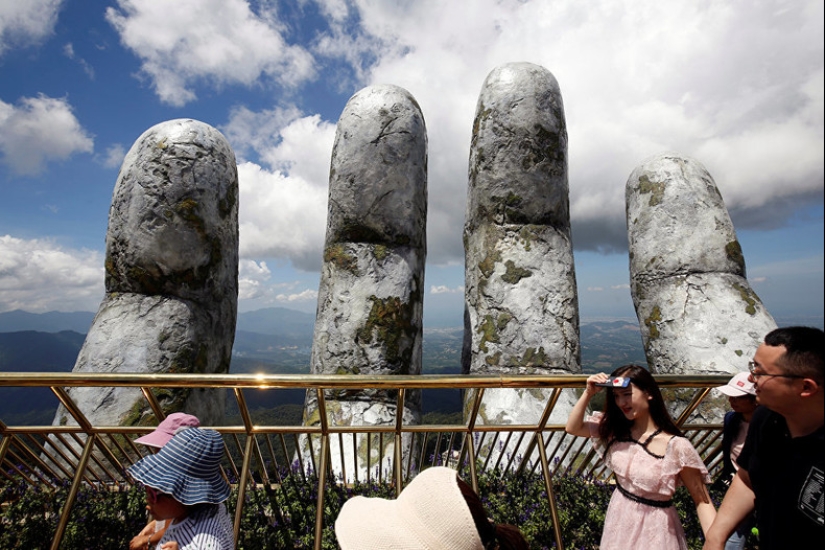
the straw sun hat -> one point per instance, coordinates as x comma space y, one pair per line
171, 425
188, 468
430, 513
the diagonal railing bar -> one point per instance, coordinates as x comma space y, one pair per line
697, 399
72, 407
153, 404
18, 466
59, 437
40, 466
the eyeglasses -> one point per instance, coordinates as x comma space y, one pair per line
756, 375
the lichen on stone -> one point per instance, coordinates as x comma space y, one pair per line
389, 322
650, 322
380, 251
655, 188
340, 258
514, 274
488, 264
493, 360
748, 296
488, 329
733, 250
532, 357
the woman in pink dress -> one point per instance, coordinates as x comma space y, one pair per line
649, 457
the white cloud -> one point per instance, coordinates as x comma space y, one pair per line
68, 51
259, 131
303, 296
443, 289
114, 156
213, 42
283, 211
257, 289
39, 275
595, 289
26, 23
40, 129
252, 278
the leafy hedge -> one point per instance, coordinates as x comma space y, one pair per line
283, 516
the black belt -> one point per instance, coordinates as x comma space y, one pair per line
642, 500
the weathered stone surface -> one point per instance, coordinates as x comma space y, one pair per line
370, 300
171, 276
520, 291
696, 310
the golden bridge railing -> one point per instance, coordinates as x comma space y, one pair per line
99, 455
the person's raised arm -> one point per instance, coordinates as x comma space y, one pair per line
738, 503
575, 422
695, 483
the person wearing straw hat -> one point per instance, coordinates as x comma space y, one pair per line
741, 393
436, 511
184, 484
156, 439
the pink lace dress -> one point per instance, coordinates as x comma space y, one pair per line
630, 524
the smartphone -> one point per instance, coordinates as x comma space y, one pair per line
615, 382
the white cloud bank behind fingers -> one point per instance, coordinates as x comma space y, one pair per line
738, 86
39, 275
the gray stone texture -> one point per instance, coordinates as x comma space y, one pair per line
696, 309
171, 276
370, 299
520, 291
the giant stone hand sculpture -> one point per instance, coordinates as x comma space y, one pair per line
171, 276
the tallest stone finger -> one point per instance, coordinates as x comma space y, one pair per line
520, 292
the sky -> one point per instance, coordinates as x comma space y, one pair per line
734, 84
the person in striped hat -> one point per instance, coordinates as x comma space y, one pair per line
160, 436
184, 484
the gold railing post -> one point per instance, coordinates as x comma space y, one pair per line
78, 479
322, 471
551, 493
242, 484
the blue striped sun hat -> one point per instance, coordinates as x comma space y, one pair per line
188, 468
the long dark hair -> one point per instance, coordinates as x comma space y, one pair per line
615, 425
493, 535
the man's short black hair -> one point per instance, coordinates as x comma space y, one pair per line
803, 351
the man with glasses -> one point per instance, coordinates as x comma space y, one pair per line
781, 465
